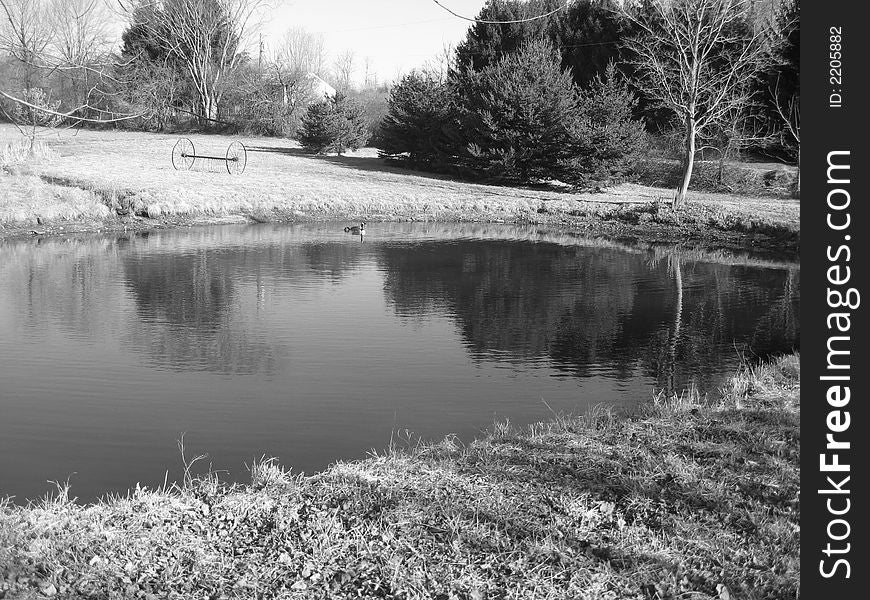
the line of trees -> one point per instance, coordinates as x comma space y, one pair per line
520, 118
177, 63
52, 63
566, 97
718, 74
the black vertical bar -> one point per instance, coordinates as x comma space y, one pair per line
835, 227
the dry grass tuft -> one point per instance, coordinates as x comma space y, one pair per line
17, 152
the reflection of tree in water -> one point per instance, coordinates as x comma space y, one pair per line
584, 307
194, 290
192, 307
510, 297
727, 311
65, 282
333, 259
779, 325
576, 307
675, 267
184, 302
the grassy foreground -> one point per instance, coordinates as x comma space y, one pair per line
114, 179
685, 499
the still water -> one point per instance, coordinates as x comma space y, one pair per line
311, 345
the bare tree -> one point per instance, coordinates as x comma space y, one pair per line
370, 78
784, 77
789, 112
343, 70
275, 93
82, 48
300, 52
56, 36
693, 56
442, 63
25, 33
81, 31
741, 126
52, 38
209, 37
154, 90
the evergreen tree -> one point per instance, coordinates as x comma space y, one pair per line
421, 121
335, 125
587, 34
589, 37
487, 43
606, 138
519, 115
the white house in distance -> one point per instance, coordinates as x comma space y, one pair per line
319, 87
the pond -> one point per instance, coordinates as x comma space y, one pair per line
309, 344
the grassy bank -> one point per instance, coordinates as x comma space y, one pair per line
96, 180
773, 180
686, 499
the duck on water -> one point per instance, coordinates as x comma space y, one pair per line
357, 229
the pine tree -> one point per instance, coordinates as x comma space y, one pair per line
350, 124
606, 139
587, 33
420, 122
519, 112
335, 125
318, 126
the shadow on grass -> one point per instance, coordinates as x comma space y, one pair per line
670, 482
278, 150
382, 165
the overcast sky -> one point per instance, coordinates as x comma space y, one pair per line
398, 35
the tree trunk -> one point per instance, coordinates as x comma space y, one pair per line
723, 156
212, 108
796, 192
32, 129
209, 106
688, 162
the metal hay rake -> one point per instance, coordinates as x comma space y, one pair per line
184, 155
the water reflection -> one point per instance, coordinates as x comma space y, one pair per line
583, 305
302, 342
193, 306
592, 308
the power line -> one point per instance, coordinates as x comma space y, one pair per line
486, 22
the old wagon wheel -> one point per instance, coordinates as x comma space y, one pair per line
237, 158
183, 155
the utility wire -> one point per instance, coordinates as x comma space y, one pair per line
484, 21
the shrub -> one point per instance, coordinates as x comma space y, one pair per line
519, 113
334, 125
421, 123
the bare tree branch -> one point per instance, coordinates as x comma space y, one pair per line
48, 39
69, 114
